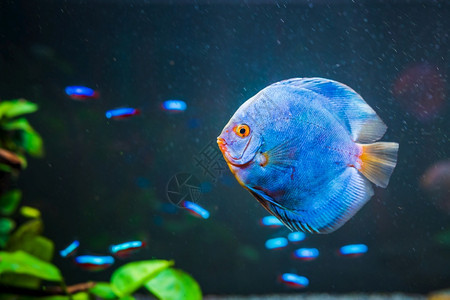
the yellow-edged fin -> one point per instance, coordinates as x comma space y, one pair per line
377, 162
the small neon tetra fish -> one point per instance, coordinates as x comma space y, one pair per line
94, 262
304, 148
306, 254
353, 250
174, 106
276, 243
124, 250
293, 280
70, 250
122, 113
296, 236
195, 209
270, 221
77, 92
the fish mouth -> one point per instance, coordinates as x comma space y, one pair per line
226, 154
222, 144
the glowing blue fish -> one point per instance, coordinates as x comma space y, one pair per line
121, 113
125, 249
306, 254
70, 250
353, 250
81, 92
295, 237
94, 262
271, 221
174, 105
276, 243
304, 148
294, 280
195, 209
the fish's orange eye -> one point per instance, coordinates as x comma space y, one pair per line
242, 130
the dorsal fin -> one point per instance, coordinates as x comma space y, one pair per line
347, 105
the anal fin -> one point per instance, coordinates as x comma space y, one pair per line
338, 202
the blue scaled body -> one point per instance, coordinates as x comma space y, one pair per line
302, 148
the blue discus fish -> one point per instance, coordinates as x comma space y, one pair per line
304, 148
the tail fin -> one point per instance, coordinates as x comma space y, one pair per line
378, 161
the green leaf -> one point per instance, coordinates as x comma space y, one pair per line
18, 124
81, 296
5, 168
23, 161
103, 290
23, 263
128, 278
32, 143
6, 225
9, 201
13, 108
38, 246
30, 140
25, 232
174, 284
127, 297
30, 212
20, 280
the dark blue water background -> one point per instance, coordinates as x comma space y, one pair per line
104, 181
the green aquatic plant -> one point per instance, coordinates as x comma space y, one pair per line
157, 276
17, 136
25, 259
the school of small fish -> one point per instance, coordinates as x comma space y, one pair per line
280, 241
83, 93
101, 262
